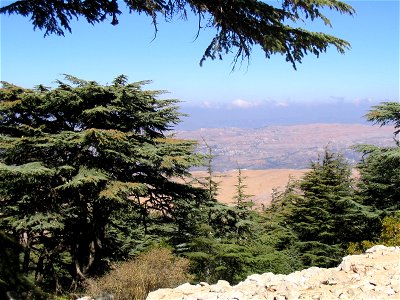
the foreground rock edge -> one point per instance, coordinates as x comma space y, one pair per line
372, 275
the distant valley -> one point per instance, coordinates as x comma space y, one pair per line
284, 147
270, 155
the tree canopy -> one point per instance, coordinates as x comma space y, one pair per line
89, 176
239, 25
379, 169
322, 211
84, 170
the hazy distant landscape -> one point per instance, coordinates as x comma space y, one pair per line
284, 147
256, 114
272, 154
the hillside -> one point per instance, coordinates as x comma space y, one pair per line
284, 147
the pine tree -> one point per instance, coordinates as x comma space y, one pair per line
243, 206
241, 198
83, 165
326, 215
275, 245
209, 181
218, 245
380, 166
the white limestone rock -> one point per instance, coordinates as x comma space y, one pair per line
373, 275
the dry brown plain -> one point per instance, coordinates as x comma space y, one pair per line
260, 183
269, 155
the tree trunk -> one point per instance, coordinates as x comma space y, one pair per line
25, 242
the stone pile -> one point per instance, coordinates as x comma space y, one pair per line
372, 275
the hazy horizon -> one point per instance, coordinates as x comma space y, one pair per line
244, 114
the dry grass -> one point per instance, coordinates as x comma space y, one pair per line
157, 268
260, 183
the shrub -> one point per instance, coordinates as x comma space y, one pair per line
390, 236
154, 269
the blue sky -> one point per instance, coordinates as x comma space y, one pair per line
369, 72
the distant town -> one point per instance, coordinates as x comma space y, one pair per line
284, 147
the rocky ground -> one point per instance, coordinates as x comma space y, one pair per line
372, 275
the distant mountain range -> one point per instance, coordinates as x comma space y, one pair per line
284, 147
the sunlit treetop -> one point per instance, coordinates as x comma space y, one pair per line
384, 114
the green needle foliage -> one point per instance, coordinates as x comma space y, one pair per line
380, 167
324, 213
89, 175
218, 244
384, 114
239, 24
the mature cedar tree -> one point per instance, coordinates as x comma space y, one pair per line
239, 24
73, 155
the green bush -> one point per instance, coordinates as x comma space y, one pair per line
154, 269
390, 236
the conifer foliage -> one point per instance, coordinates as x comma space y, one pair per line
240, 25
380, 167
74, 157
325, 215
